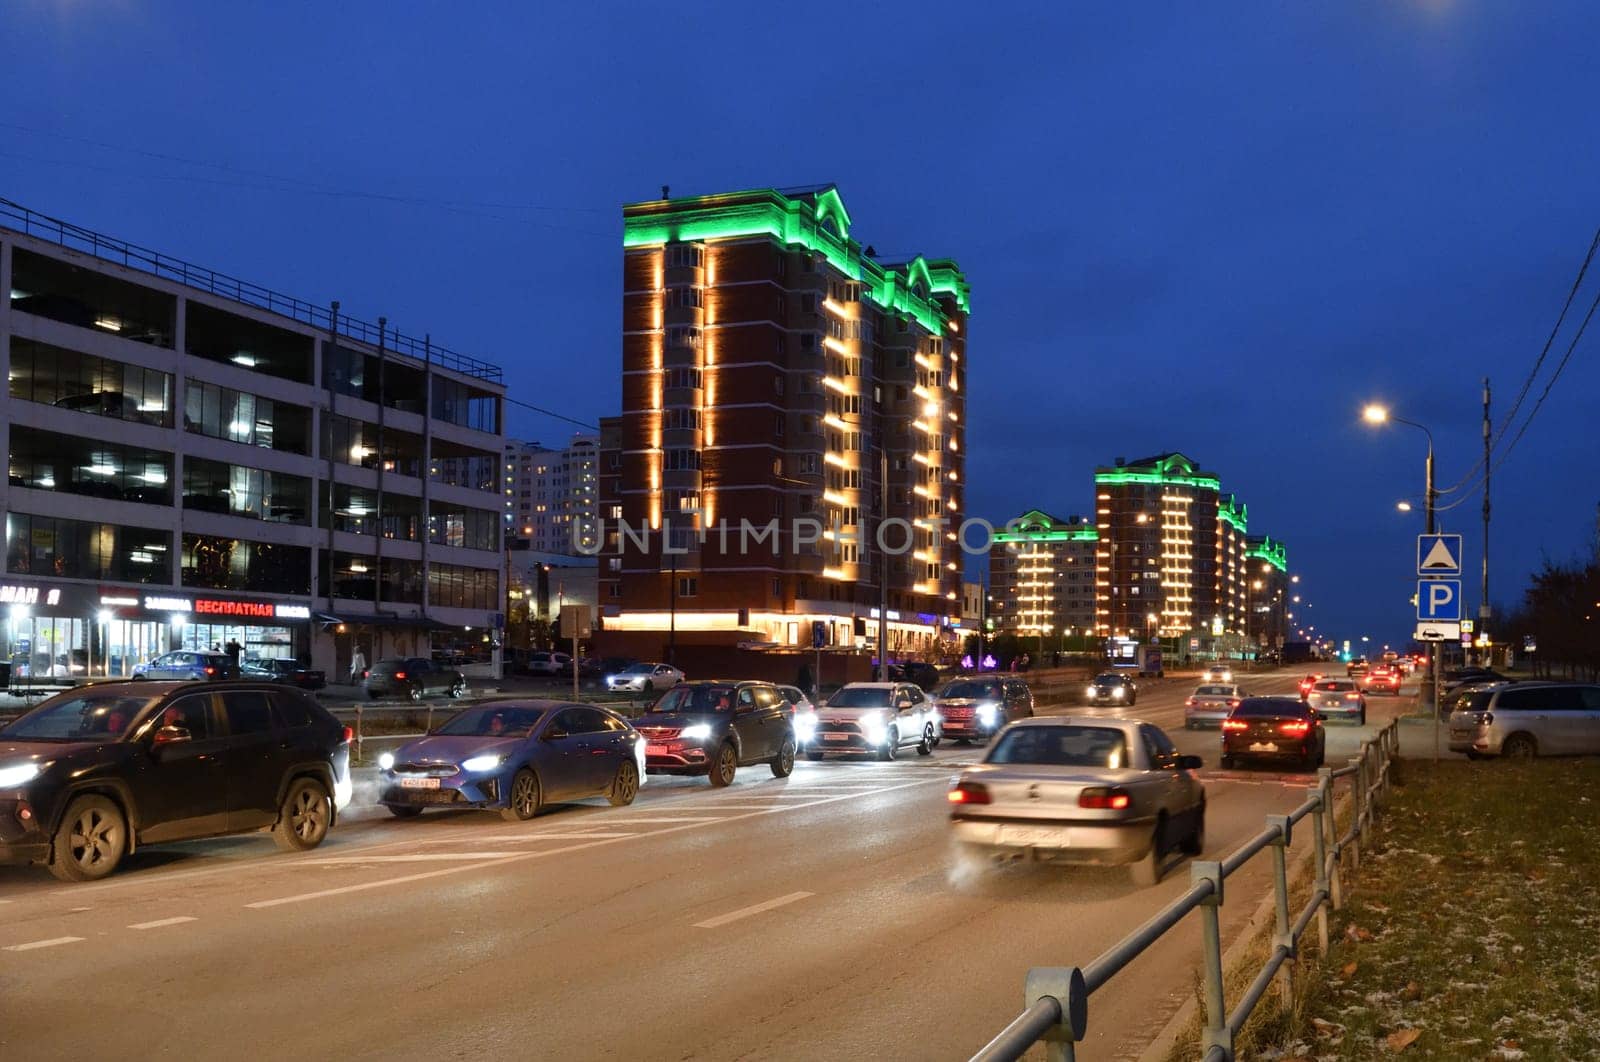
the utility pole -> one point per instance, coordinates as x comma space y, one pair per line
1484, 610
883, 557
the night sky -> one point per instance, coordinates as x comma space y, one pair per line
1210, 228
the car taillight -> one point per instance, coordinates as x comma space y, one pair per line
1235, 724
1294, 727
1233, 704
1352, 696
1190, 703
349, 735
211, 671
399, 674
1099, 796
968, 793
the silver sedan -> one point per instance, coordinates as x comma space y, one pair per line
1082, 790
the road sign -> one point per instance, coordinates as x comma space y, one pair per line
1439, 601
1468, 626
1437, 632
1439, 555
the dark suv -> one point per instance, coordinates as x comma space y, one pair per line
714, 728
91, 774
1112, 687
974, 708
413, 678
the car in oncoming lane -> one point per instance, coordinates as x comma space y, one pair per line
516, 757
1274, 729
974, 709
1218, 673
714, 728
875, 718
1338, 698
1112, 687
89, 775
1082, 790
1211, 704
644, 678
413, 678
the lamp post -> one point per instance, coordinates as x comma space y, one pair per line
1377, 414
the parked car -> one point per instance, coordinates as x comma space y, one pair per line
1274, 729
1385, 678
875, 718
1112, 687
644, 678
413, 678
1082, 790
288, 672
1339, 697
924, 676
517, 757
1211, 703
1457, 677
714, 728
1218, 673
188, 665
105, 769
546, 663
796, 699
1527, 719
975, 709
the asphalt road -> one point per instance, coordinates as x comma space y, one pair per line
821, 916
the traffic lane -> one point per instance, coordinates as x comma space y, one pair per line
685, 928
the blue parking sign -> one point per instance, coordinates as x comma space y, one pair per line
1439, 600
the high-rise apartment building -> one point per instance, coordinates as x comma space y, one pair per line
552, 496
1266, 585
778, 376
195, 461
1042, 575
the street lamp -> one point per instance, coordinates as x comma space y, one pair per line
1403, 506
1378, 414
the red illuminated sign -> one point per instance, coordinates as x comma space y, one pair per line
219, 607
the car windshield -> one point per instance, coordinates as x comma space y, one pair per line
1062, 746
1271, 706
91, 717
493, 722
639, 669
860, 697
1108, 679
971, 691
697, 699
1214, 691
1336, 687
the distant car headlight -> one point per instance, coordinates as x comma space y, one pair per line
386, 761
697, 732
805, 725
1120, 691
11, 777
987, 713
481, 763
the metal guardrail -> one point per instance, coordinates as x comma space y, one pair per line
1056, 998
133, 256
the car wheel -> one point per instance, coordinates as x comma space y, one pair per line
625, 786
891, 747
305, 816
725, 766
1227, 762
459, 690
783, 762
1132, 701
404, 811
926, 748
91, 840
523, 803
648, 687
414, 693
1361, 720
1147, 870
1195, 843
138, 678
814, 755
1519, 747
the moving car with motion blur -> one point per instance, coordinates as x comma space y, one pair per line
1274, 729
974, 709
1112, 687
414, 678
875, 718
1338, 698
1526, 719
1308, 683
92, 774
515, 757
1211, 704
1218, 673
1082, 790
644, 678
714, 728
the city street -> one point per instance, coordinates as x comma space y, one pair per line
821, 915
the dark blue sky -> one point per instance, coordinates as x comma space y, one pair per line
1210, 228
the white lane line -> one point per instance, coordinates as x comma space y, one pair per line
754, 909
52, 942
430, 857
543, 853
630, 821
161, 922
771, 807
515, 838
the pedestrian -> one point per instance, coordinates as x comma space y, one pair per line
233, 649
358, 666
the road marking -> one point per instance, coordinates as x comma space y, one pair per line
430, 857
52, 942
514, 838
755, 909
159, 923
768, 807
631, 821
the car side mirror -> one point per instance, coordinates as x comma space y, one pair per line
1190, 763
167, 735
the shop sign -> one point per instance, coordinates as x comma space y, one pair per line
168, 604
28, 595
218, 606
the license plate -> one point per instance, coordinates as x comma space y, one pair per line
1264, 746
835, 737
419, 783
1030, 835
655, 750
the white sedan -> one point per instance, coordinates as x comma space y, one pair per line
644, 678
1082, 790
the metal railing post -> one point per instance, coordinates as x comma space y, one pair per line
1358, 782
1064, 984
1284, 937
430, 719
358, 730
1217, 1033
1335, 890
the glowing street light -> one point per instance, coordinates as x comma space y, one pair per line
1403, 506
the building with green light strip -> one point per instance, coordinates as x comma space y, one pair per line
1041, 575
775, 368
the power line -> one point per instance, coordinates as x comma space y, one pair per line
552, 413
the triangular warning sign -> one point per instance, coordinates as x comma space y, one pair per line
1440, 557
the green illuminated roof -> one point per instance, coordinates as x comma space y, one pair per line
1232, 511
1168, 469
800, 222
1266, 549
1035, 525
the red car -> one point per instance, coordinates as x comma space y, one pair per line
1307, 684
1383, 680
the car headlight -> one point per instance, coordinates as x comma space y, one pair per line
873, 729
1120, 691
386, 761
481, 763
1092, 691
697, 732
11, 777
987, 713
805, 725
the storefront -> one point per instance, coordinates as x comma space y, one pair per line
56, 632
